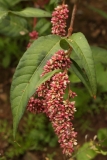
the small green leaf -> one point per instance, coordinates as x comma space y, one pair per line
65, 45
81, 75
82, 49
13, 26
32, 12
102, 136
103, 152
85, 152
27, 75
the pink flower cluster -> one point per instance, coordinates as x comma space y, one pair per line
61, 112
33, 35
50, 100
35, 105
59, 17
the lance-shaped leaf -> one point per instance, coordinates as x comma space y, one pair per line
32, 12
9, 3
27, 74
82, 49
13, 26
80, 74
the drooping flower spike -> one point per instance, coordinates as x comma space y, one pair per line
50, 100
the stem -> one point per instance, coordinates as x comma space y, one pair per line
70, 29
63, 2
73, 15
34, 22
68, 91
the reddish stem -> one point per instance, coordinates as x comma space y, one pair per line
70, 29
63, 2
34, 22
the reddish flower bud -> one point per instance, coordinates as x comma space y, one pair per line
33, 35
29, 44
35, 105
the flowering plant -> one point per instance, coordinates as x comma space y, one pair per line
42, 77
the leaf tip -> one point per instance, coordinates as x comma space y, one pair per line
17, 143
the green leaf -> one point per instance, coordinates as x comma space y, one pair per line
85, 152
42, 26
100, 59
64, 44
32, 12
103, 152
46, 77
3, 14
9, 3
82, 49
99, 54
3, 11
3, 5
12, 3
6, 60
27, 75
13, 26
101, 73
102, 136
73, 78
81, 75
99, 11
